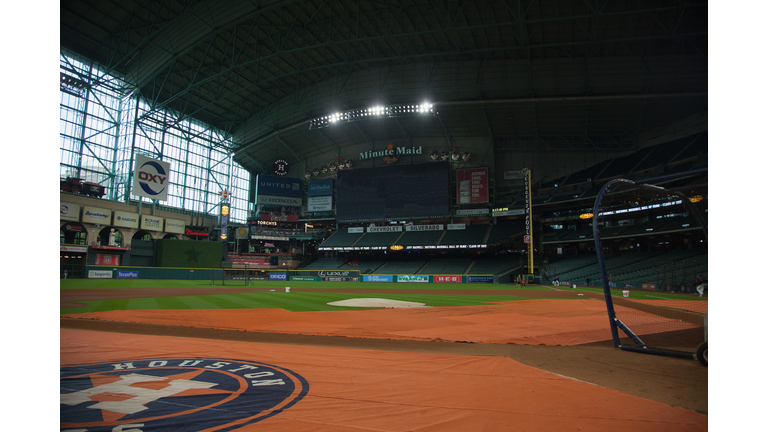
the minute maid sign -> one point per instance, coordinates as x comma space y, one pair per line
391, 153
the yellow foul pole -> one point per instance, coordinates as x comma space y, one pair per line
528, 220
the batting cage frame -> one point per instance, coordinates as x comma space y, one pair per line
616, 322
234, 276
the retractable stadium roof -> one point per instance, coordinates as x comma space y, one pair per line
519, 75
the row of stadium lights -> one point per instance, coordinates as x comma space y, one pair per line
390, 111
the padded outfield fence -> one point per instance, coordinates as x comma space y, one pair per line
625, 216
245, 276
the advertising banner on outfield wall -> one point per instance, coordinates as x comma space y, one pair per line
377, 278
127, 274
479, 279
99, 274
280, 276
69, 212
346, 273
447, 279
413, 278
304, 278
338, 279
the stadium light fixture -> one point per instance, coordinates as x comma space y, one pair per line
374, 111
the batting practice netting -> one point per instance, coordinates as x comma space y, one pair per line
651, 244
234, 276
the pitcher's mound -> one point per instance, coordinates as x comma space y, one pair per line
375, 302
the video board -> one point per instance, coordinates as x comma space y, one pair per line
402, 191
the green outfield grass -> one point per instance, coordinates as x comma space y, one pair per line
293, 301
307, 301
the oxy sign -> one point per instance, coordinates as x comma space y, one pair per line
150, 178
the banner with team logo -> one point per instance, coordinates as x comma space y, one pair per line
150, 178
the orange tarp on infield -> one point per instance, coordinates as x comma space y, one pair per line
363, 390
528, 322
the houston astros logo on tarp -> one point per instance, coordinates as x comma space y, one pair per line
168, 393
151, 178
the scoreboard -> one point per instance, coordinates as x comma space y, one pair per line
391, 192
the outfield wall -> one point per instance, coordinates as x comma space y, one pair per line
128, 272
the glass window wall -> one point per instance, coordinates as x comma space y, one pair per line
98, 144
